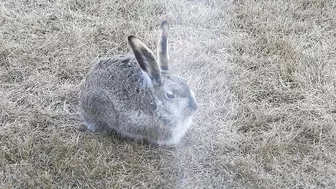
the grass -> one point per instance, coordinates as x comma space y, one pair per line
263, 72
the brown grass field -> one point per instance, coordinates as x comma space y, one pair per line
264, 75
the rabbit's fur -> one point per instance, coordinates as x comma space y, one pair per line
138, 97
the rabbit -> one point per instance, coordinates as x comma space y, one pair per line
138, 98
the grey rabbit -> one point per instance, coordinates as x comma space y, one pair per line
138, 97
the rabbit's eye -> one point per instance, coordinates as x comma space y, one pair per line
169, 95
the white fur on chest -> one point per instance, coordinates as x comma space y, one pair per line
178, 132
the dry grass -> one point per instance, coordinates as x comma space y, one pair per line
264, 74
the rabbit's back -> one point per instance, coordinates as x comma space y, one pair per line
122, 80
115, 93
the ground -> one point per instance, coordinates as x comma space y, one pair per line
263, 72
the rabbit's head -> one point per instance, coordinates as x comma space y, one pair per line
172, 92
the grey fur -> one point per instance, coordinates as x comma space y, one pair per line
121, 94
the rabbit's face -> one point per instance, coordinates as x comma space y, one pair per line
176, 96
172, 92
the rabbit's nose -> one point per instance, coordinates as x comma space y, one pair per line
193, 104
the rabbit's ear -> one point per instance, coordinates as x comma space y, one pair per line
145, 59
163, 46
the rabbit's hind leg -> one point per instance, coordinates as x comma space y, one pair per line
98, 111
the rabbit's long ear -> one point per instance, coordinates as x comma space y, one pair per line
145, 59
163, 46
